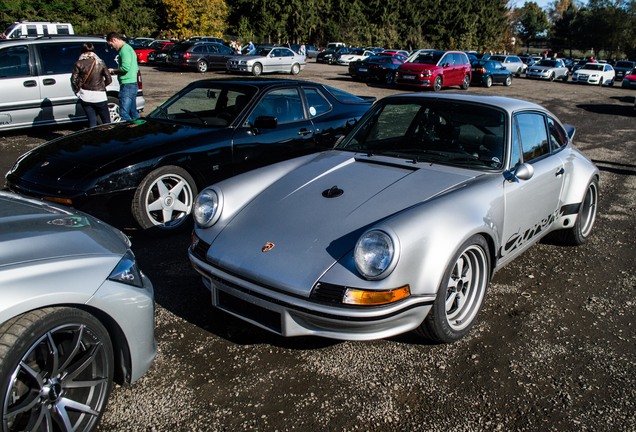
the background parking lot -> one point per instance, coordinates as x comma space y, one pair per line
554, 349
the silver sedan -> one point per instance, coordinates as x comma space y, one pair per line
401, 226
76, 314
267, 60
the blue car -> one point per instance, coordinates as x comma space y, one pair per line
487, 72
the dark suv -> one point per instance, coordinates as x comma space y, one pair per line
200, 56
435, 69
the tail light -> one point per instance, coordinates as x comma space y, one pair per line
139, 83
186, 55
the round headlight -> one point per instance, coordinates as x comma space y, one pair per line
207, 208
374, 254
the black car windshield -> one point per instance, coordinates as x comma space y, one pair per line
213, 105
445, 132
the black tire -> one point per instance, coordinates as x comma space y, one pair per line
460, 294
389, 78
582, 228
488, 82
466, 82
113, 109
164, 199
295, 69
508, 81
202, 66
257, 69
57, 360
437, 84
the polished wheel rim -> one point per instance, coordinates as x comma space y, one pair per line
61, 383
113, 111
169, 200
588, 213
466, 287
437, 85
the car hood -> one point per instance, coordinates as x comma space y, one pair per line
32, 230
69, 160
312, 228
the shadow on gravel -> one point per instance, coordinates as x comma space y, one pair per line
607, 109
615, 167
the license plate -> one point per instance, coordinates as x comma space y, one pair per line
411, 77
363, 70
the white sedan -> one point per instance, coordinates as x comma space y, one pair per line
276, 59
355, 55
595, 73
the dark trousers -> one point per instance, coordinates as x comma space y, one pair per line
93, 110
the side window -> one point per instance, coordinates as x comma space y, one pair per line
447, 59
558, 137
14, 62
106, 53
284, 104
59, 58
533, 134
32, 30
515, 151
316, 101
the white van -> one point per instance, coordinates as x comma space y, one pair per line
26, 29
35, 81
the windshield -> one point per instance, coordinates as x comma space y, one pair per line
212, 105
549, 63
448, 133
428, 57
593, 67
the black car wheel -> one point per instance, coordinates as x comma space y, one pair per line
437, 84
56, 370
460, 295
164, 199
202, 66
389, 78
508, 81
488, 82
257, 69
113, 109
295, 69
551, 77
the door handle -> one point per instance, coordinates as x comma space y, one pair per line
304, 132
48, 81
30, 83
560, 172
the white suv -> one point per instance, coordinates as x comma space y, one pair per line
35, 81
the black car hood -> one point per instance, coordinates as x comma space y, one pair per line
73, 159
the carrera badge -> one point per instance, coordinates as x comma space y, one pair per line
267, 247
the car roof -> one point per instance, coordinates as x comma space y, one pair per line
506, 103
52, 39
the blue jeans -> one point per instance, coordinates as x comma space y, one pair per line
128, 101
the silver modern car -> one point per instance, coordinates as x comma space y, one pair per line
267, 60
513, 63
549, 69
399, 227
76, 314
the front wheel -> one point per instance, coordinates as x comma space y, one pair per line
389, 78
466, 82
56, 370
460, 294
113, 109
257, 69
164, 199
202, 66
508, 81
295, 69
488, 82
437, 84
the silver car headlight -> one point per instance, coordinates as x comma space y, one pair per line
126, 271
375, 254
207, 208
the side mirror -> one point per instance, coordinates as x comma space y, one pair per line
523, 171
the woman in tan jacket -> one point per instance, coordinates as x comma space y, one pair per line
89, 80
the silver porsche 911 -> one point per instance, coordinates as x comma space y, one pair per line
76, 314
401, 226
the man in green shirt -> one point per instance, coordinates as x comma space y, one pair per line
126, 75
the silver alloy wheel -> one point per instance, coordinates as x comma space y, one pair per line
202, 66
466, 287
168, 200
437, 84
508, 81
63, 380
488, 82
257, 69
588, 210
295, 69
113, 109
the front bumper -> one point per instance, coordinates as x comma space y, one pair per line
288, 315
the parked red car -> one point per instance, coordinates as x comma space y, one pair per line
157, 45
435, 69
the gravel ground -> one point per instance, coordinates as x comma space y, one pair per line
554, 350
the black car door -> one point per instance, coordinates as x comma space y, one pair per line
276, 129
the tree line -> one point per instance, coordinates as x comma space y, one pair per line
481, 25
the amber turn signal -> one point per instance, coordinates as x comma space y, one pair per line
375, 298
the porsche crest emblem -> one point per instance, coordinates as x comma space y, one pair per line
267, 247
